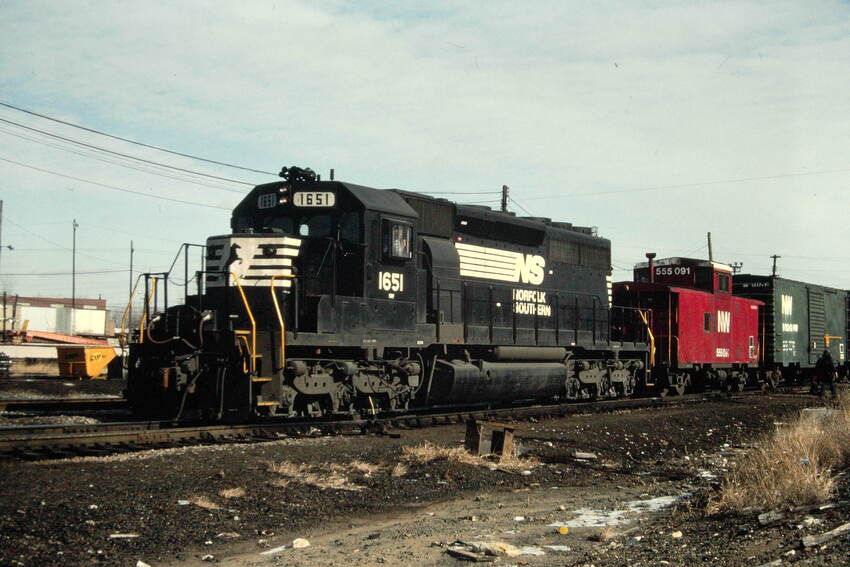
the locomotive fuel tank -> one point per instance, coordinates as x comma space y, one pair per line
461, 381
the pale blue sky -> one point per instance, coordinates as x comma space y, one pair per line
578, 107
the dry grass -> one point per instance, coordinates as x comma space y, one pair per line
367, 469
399, 470
232, 492
204, 502
795, 465
334, 477
427, 453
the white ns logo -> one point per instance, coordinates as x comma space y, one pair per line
531, 268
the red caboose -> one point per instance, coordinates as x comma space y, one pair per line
701, 334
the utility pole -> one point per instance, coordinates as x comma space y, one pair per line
710, 253
74, 271
1, 240
130, 310
505, 192
775, 257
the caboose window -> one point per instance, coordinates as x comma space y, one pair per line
396, 241
723, 282
706, 322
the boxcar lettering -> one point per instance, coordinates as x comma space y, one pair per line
722, 352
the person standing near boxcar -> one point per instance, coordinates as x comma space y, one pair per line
826, 372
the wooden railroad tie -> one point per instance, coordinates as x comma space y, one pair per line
501, 440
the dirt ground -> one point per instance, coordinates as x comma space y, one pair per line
362, 501
38, 388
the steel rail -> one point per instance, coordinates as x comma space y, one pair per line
114, 437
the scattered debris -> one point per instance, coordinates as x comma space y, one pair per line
676, 535
208, 557
274, 550
519, 518
141, 563
486, 551
460, 553
183, 502
774, 563
300, 543
813, 540
589, 518
123, 536
581, 456
771, 517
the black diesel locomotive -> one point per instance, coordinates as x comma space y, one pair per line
333, 298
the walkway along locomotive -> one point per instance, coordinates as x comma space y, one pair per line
333, 298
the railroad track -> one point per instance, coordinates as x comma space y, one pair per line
63, 404
56, 441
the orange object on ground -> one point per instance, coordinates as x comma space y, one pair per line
83, 361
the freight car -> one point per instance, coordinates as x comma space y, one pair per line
703, 336
798, 322
333, 298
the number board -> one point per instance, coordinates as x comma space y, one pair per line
314, 199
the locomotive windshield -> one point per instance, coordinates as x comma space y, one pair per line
312, 225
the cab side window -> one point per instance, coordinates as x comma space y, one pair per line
396, 240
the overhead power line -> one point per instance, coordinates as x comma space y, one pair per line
691, 185
113, 187
129, 141
523, 209
19, 274
128, 156
115, 161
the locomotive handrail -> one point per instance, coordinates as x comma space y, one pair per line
645, 318
151, 295
280, 319
252, 351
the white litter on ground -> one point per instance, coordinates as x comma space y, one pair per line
590, 518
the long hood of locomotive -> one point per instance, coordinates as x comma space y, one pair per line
528, 270
254, 258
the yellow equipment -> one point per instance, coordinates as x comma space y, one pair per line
84, 361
